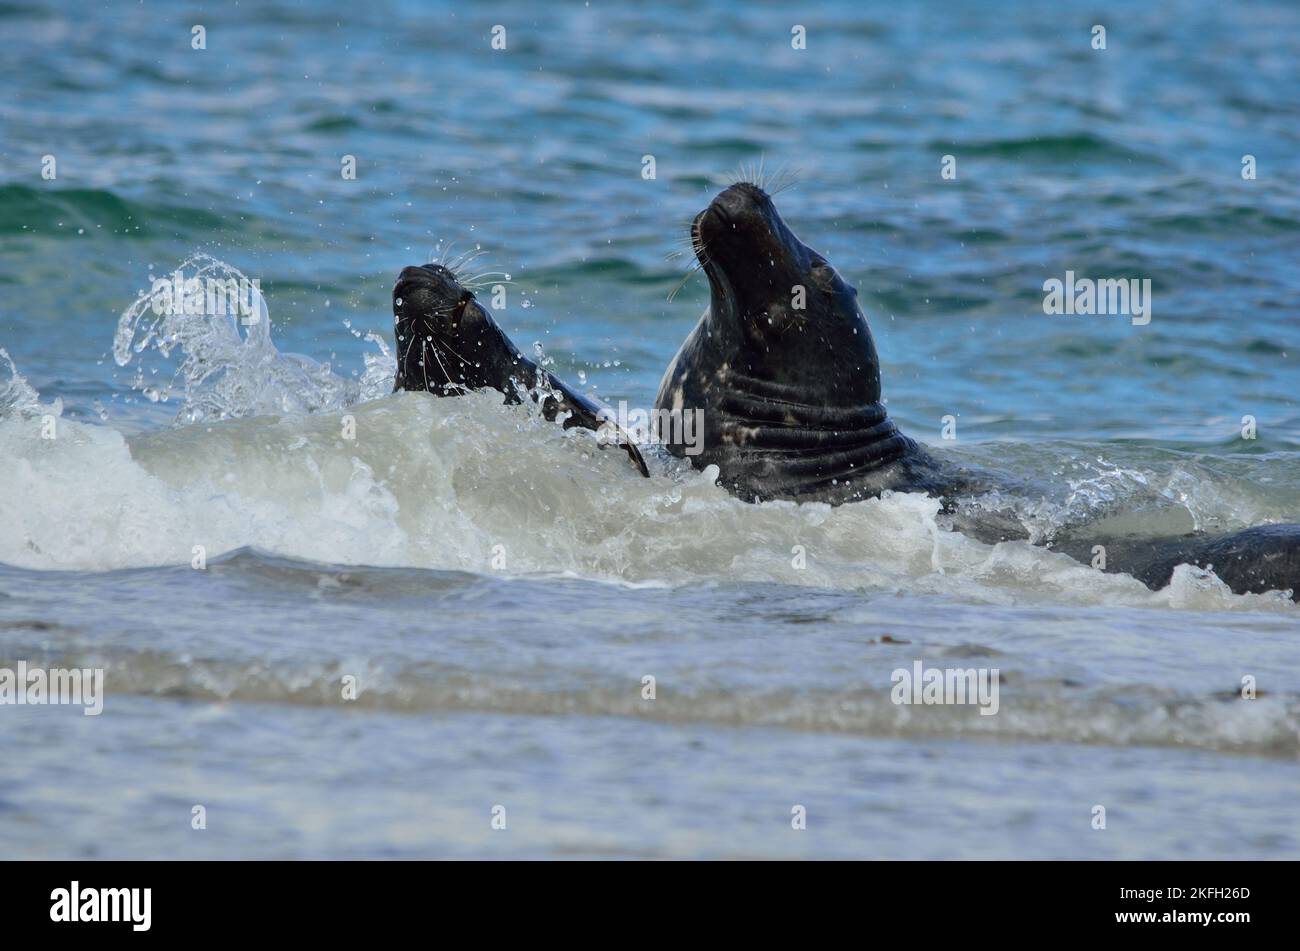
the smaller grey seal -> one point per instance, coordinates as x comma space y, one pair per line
448, 344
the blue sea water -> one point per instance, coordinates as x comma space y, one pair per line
500, 590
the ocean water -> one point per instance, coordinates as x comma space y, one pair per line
496, 589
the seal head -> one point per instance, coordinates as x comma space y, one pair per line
448, 344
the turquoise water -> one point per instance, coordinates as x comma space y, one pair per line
500, 589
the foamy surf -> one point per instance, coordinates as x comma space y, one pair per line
281, 454
471, 485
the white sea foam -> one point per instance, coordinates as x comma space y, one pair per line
455, 483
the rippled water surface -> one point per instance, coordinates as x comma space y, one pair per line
499, 589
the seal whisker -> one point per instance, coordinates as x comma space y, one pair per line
424, 363
464, 259
478, 280
698, 266
769, 181
456, 355
751, 173
401, 361
785, 179
728, 178
441, 365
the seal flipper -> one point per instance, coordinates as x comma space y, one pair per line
587, 413
448, 344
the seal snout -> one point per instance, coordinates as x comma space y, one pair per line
426, 284
428, 275
739, 205
428, 298
742, 236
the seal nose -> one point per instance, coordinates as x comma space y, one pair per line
415, 272
425, 292
739, 202
427, 273
426, 279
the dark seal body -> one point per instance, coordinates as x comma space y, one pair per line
785, 370
770, 440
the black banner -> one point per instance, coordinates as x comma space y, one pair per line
937, 900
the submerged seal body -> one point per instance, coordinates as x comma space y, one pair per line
785, 371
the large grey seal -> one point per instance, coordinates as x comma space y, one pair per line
784, 367
785, 370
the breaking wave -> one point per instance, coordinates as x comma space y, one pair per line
279, 453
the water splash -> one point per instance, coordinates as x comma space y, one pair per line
18, 398
228, 366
